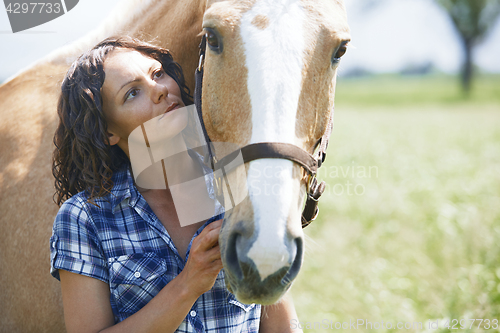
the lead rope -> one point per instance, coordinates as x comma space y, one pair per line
197, 100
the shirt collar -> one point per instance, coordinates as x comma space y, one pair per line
123, 188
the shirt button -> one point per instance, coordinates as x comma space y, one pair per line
137, 274
192, 313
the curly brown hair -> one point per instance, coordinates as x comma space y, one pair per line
83, 159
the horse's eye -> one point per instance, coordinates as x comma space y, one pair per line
213, 40
339, 53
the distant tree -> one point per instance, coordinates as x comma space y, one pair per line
472, 20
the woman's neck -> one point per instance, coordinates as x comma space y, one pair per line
173, 164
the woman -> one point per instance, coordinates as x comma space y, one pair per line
124, 261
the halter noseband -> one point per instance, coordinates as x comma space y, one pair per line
260, 150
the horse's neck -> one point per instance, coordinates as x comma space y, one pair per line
173, 24
28, 100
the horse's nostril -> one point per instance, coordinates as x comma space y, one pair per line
232, 256
296, 264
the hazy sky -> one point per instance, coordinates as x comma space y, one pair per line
396, 33
386, 38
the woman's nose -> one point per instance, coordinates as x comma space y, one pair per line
158, 92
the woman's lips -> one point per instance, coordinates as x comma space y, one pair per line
172, 107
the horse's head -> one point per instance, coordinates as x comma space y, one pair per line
270, 74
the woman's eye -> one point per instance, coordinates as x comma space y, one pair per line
159, 73
131, 94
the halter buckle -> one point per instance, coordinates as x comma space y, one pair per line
218, 186
315, 215
311, 183
200, 63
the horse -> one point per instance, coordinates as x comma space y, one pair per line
269, 76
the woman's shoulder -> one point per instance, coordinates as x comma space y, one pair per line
82, 203
78, 201
77, 210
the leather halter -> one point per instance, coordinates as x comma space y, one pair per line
310, 163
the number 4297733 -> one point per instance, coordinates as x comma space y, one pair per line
455, 324
33, 7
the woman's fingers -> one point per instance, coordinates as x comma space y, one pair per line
209, 237
201, 271
214, 253
204, 262
217, 265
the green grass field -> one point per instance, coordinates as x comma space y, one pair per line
409, 228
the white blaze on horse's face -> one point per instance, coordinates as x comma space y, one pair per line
274, 59
270, 75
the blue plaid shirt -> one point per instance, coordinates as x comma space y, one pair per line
124, 244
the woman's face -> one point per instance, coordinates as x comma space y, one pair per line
135, 90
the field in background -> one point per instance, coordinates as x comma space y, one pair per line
409, 229
397, 91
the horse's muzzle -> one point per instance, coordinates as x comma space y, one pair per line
243, 278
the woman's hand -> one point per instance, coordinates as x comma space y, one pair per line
86, 300
204, 262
